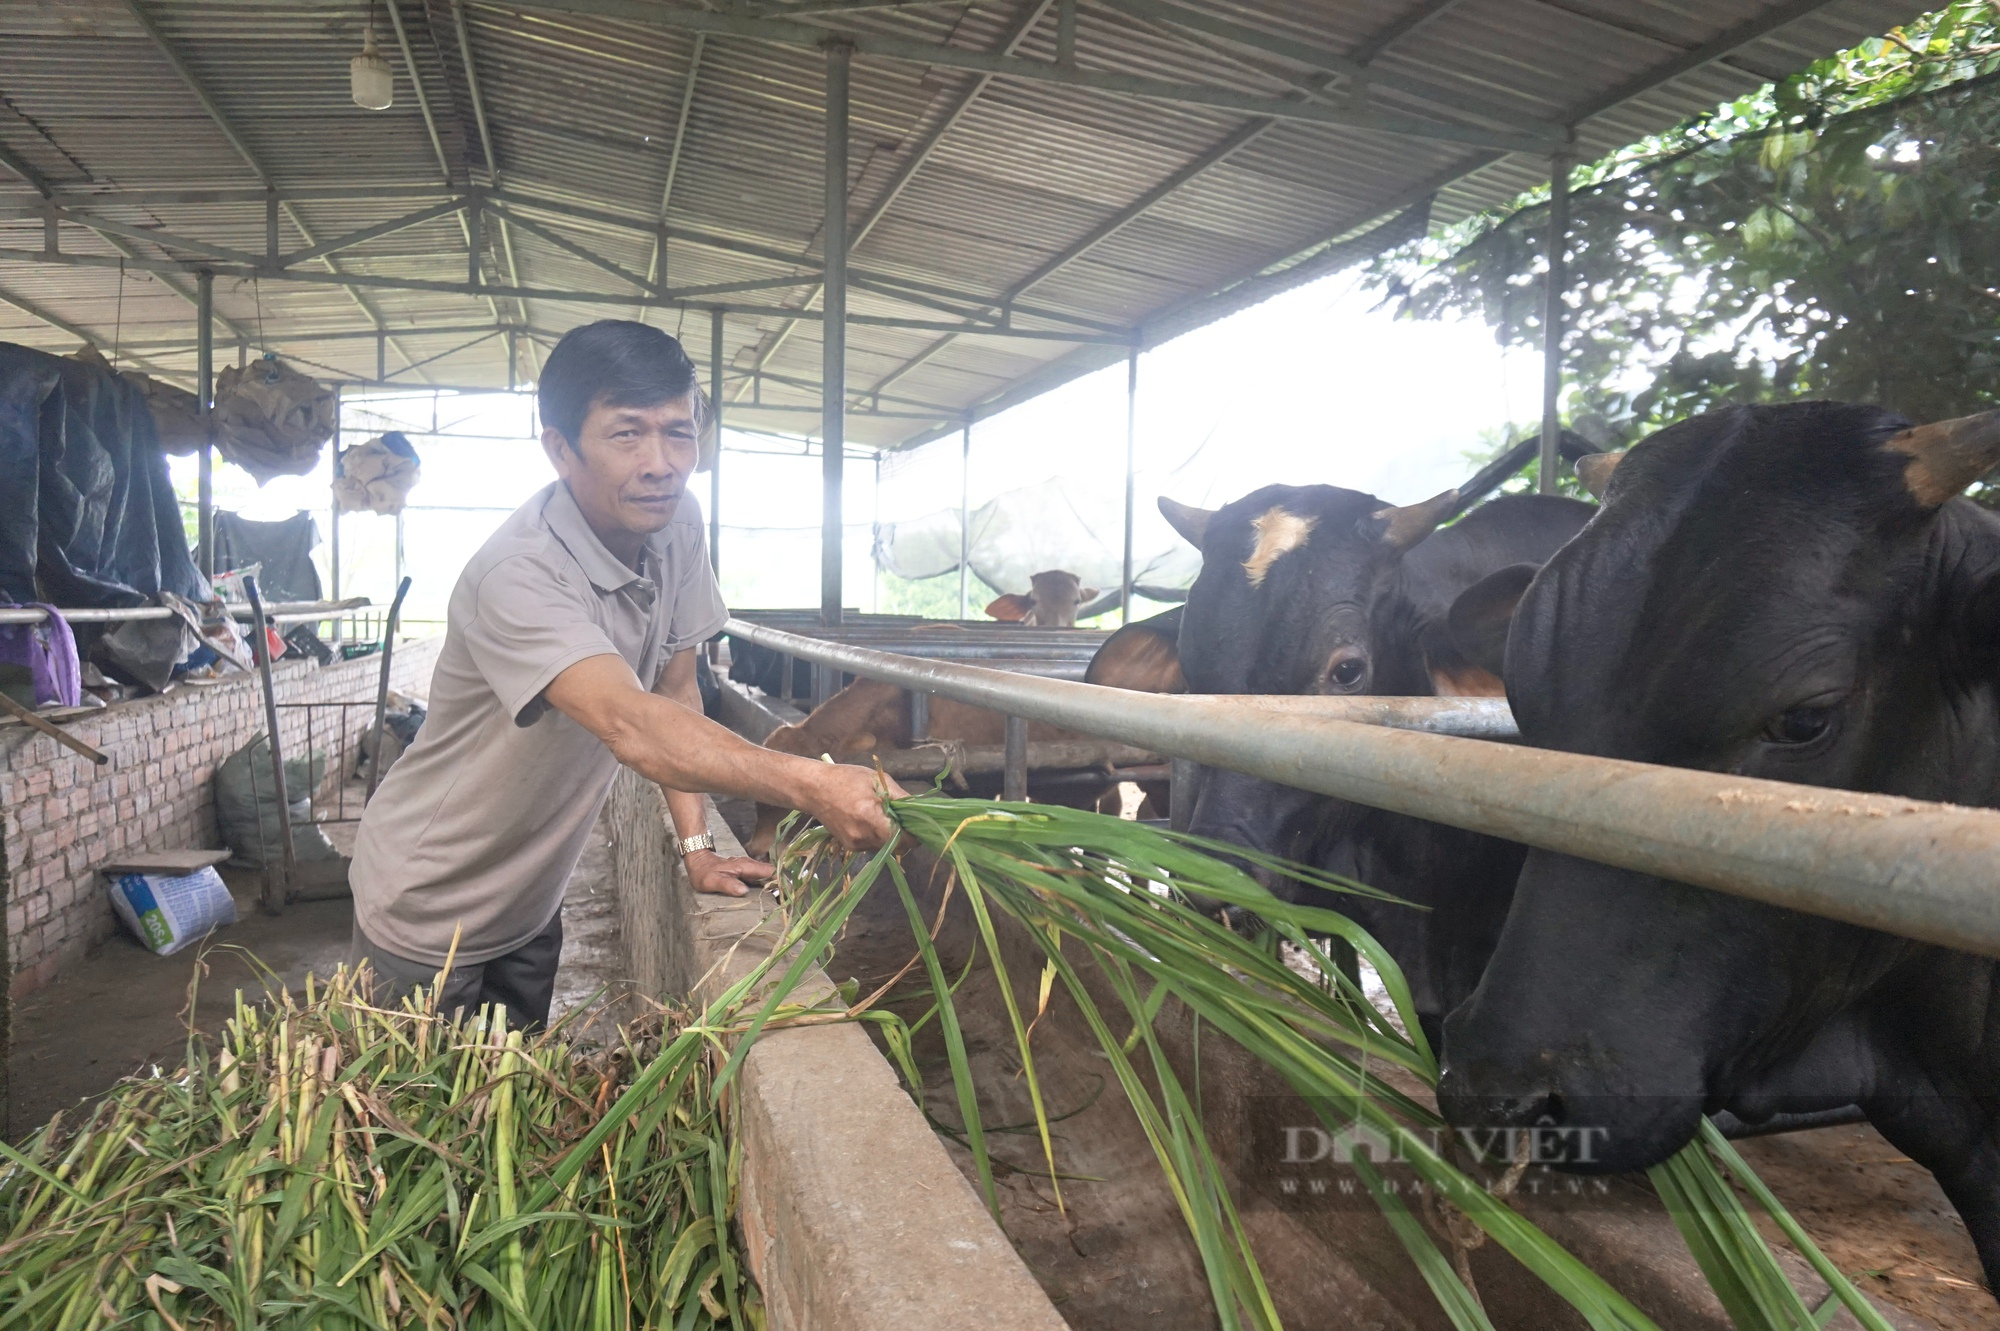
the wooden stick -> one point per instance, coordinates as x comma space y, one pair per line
54, 732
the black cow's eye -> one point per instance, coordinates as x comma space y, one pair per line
1800, 725
1349, 673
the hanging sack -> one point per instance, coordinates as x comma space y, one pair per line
376, 476
270, 419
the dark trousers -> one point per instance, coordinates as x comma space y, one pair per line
522, 981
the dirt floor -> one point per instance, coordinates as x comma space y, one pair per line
1882, 1219
122, 1010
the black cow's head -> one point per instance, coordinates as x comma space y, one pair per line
1789, 592
1295, 595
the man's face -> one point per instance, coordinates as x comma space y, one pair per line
629, 466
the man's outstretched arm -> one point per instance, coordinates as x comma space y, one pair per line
707, 870
683, 750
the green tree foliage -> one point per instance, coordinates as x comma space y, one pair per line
1836, 235
933, 598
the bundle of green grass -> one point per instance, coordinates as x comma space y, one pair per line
331, 1163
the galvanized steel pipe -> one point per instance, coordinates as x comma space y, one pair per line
1909, 867
279, 612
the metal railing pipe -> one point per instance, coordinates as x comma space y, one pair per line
1909, 867
285, 612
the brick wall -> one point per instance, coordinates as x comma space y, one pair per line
61, 815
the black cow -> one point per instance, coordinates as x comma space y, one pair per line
1791, 592
1315, 589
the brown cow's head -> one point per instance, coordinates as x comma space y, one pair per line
1051, 603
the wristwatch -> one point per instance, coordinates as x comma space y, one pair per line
688, 845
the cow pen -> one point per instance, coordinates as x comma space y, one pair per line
875, 226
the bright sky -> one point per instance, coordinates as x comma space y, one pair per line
1312, 387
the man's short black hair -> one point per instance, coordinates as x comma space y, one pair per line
615, 363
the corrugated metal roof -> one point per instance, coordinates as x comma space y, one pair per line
123, 100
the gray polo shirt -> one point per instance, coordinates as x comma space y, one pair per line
477, 827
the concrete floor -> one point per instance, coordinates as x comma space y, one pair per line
122, 1010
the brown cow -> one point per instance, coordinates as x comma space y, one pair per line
1051, 603
869, 717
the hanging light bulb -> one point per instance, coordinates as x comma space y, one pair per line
369, 75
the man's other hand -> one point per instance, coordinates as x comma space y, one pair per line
847, 800
710, 872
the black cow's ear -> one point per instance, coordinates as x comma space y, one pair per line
1482, 614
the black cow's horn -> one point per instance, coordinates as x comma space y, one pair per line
1594, 470
1947, 456
1189, 521
1401, 528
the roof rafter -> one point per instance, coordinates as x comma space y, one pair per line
468, 219
236, 141
78, 331
521, 311
674, 158
1425, 12
1441, 101
1248, 132
920, 153
886, 47
1260, 282
667, 300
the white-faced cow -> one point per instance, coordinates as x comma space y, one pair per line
1051, 601
1314, 589
1792, 592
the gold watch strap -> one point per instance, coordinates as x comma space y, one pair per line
690, 844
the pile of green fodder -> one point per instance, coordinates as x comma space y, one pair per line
330, 1164
1108, 904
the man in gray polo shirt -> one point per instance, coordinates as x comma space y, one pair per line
569, 649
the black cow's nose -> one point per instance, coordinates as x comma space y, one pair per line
1531, 1111
1489, 1102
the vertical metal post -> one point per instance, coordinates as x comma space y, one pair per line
204, 374
382, 687
715, 468
1066, 33
875, 525
333, 511
1014, 776
1183, 785
920, 716
475, 241
1131, 450
278, 885
1553, 319
964, 518
399, 547
271, 227
833, 353
513, 359
381, 356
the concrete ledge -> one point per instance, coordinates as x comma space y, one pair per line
853, 1216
